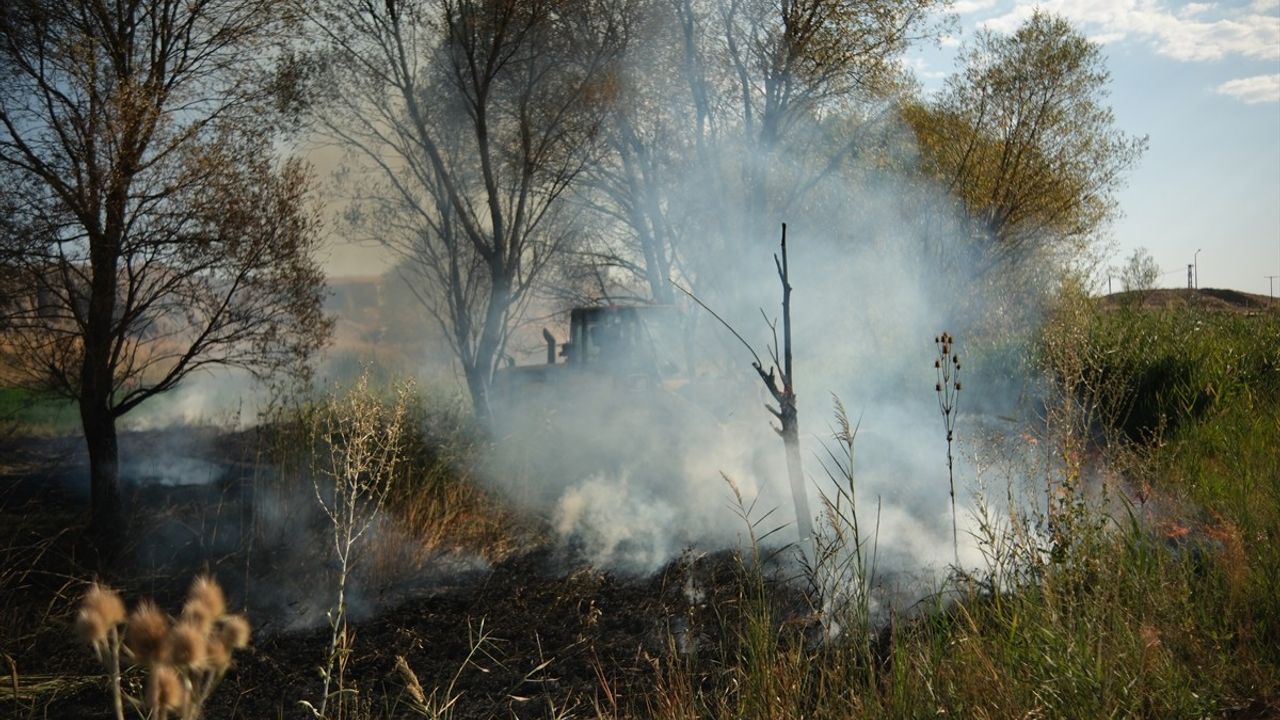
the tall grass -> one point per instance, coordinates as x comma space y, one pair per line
1158, 598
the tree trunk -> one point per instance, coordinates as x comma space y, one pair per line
789, 413
97, 380
795, 472
104, 471
485, 360
478, 387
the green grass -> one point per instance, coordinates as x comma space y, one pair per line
1170, 368
1169, 608
34, 412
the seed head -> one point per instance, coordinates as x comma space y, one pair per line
91, 626
206, 590
410, 680
147, 634
198, 614
187, 645
937, 387
105, 602
217, 654
164, 689
233, 630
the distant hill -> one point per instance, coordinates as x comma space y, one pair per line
1209, 298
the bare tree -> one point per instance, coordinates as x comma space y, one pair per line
798, 60
154, 236
476, 116
733, 112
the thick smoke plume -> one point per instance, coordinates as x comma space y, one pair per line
880, 266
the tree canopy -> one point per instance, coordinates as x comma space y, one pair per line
1023, 138
154, 232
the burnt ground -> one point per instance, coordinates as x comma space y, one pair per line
542, 630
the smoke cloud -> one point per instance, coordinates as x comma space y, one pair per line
880, 265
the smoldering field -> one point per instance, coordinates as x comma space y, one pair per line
876, 279
627, 477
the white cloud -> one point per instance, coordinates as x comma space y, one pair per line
924, 70
1253, 90
1197, 31
964, 7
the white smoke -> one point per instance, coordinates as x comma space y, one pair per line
880, 266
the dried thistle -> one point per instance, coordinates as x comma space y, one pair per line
165, 690
147, 633
198, 614
105, 602
91, 627
947, 366
233, 631
217, 654
205, 590
188, 646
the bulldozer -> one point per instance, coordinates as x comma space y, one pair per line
622, 395
628, 345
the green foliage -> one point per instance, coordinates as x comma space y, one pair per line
33, 412
1167, 368
1023, 137
1164, 608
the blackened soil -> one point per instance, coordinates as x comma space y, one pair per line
527, 637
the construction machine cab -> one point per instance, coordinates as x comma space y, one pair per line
609, 347
635, 340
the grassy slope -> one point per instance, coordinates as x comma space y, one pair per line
1094, 615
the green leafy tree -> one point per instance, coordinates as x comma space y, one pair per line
1140, 272
1024, 139
154, 234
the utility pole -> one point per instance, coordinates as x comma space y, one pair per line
1196, 261
1271, 285
1190, 281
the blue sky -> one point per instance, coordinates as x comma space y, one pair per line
1202, 80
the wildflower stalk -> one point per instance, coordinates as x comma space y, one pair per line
947, 388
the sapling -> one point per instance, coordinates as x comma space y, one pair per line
364, 441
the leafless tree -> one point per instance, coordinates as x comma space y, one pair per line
476, 117
734, 111
152, 233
